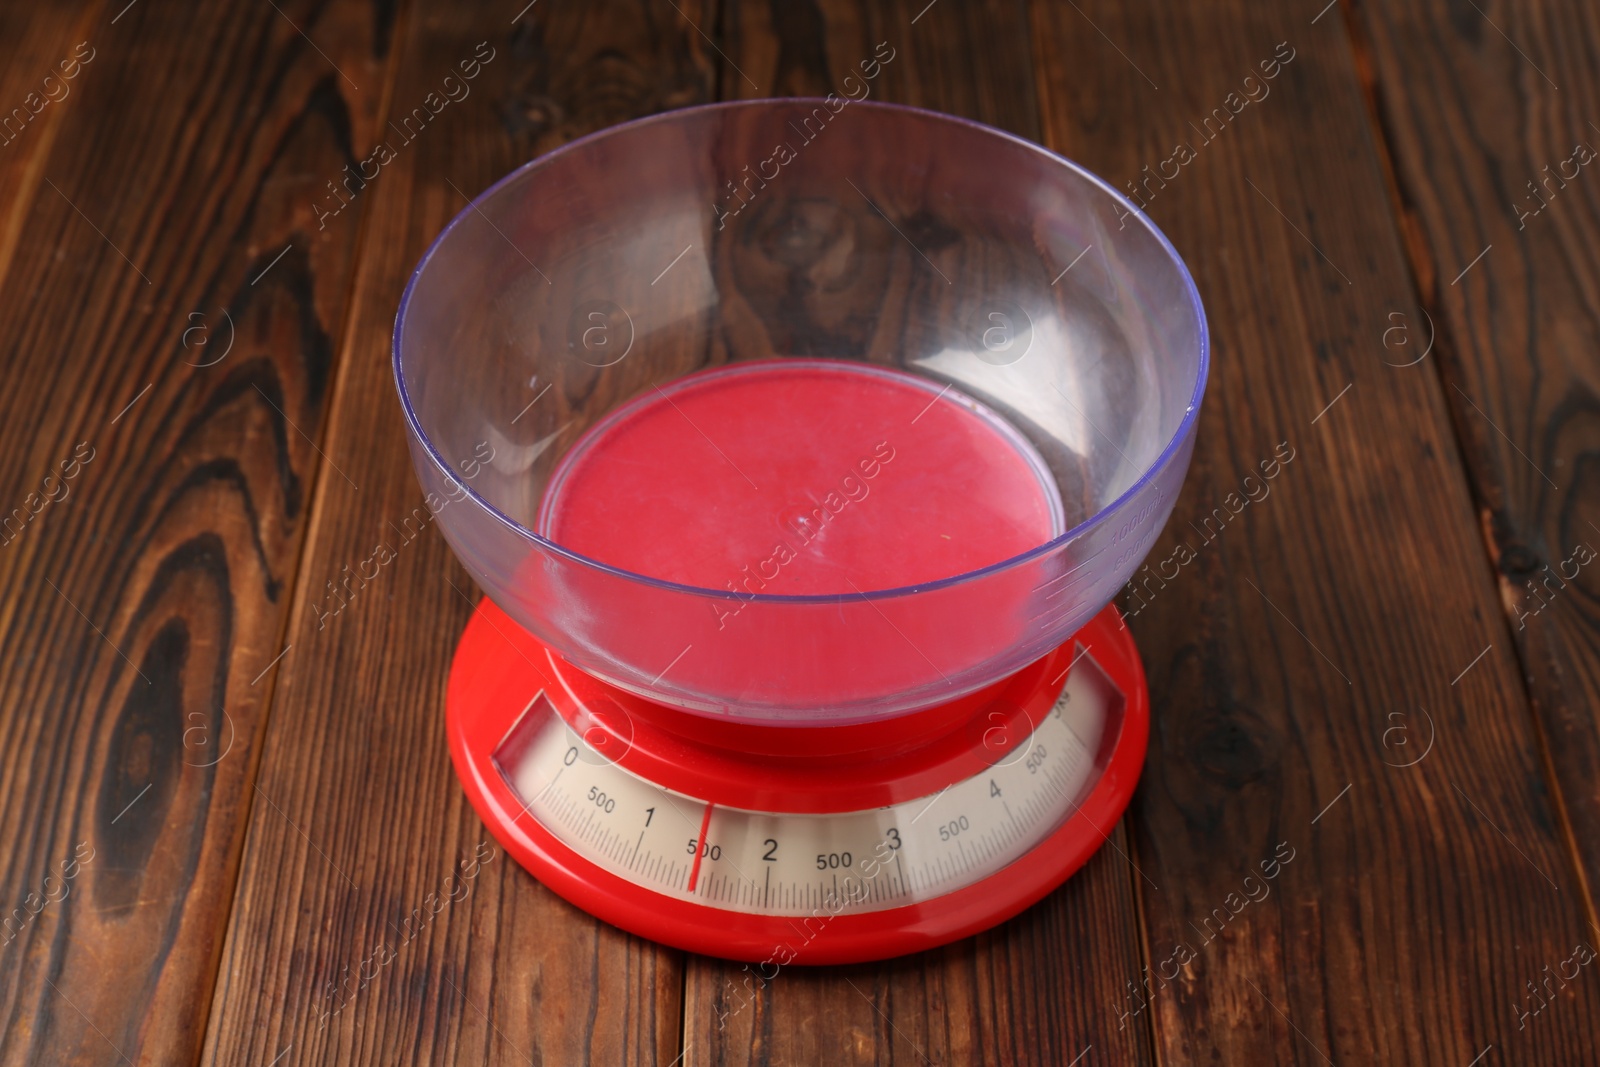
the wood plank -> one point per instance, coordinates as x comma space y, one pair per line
1342, 605
359, 817
1046, 987
1518, 344
142, 605
40, 45
963, 60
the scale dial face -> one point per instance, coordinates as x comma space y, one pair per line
781, 863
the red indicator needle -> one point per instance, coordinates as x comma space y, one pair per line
701, 848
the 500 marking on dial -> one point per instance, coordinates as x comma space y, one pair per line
780, 863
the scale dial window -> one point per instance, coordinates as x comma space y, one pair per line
788, 864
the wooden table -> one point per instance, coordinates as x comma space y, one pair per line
219, 805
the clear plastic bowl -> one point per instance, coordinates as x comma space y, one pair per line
1008, 279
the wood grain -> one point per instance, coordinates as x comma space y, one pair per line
142, 605
1410, 904
1518, 343
36, 42
359, 820
1046, 987
970, 59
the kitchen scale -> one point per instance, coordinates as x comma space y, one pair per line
800, 447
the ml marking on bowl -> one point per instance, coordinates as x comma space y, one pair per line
600, 333
1003, 333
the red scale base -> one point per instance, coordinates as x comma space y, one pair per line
604, 742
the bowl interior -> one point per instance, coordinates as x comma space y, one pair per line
798, 228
